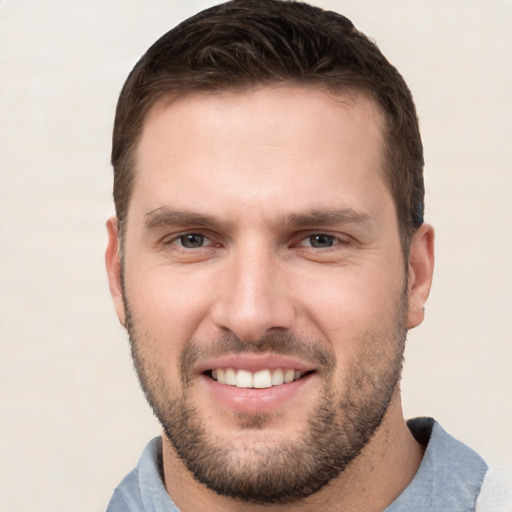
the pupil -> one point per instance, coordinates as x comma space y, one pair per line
192, 241
321, 240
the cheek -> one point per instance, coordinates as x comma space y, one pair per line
167, 310
349, 303
162, 326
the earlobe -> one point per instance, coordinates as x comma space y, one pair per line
113, 264
421, 266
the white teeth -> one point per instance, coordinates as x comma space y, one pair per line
258, 380
262, 379
230, 377
243, 379
289, 375
277, 377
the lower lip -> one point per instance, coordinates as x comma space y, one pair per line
248, 400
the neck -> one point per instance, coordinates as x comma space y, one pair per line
370, 483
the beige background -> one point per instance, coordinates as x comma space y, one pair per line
73, 420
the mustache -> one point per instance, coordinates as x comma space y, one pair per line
273, 343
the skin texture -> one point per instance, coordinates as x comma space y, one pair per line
255, 177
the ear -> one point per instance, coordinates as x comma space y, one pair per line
113, 264
421, 267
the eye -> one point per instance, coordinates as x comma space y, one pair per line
321, 240
189, 247
191, 240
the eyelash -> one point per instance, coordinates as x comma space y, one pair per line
334, 239
180, 237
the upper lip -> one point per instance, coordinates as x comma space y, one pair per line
255, 362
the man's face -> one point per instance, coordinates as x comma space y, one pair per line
264, 285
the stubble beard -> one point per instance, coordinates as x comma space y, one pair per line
256, 470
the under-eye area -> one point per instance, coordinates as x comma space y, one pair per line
256, 380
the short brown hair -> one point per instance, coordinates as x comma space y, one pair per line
243, 43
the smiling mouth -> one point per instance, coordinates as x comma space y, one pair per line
256, 380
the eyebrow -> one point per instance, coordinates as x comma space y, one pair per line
327, 217
166, 216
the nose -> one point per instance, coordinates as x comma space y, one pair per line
253, 297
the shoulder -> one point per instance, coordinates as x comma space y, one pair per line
496, 492
143, 488
127, 495
457, 471
445, 454
450, 475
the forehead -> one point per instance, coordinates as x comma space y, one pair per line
265, 143
285, 100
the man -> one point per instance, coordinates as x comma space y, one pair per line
267, 258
